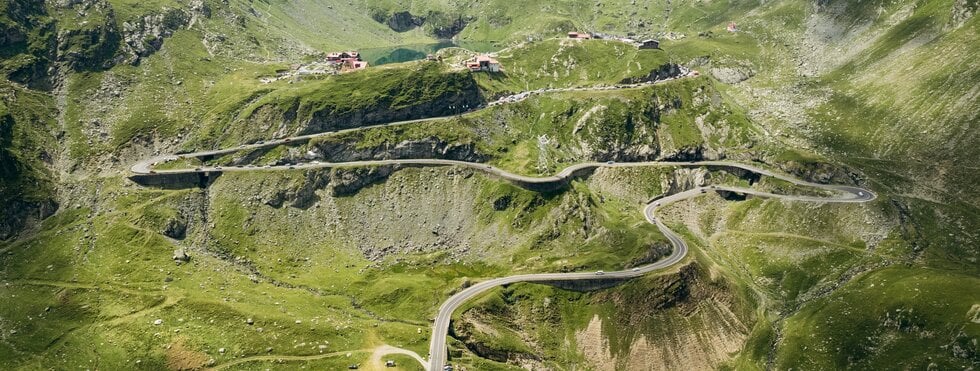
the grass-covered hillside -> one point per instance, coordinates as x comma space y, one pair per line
324, 269
500, 21
564, 63
884, 88
27, 186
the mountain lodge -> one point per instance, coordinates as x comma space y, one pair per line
483, 63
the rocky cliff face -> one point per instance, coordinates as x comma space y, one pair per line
334, 117
431, 147
642, 321
145, 36
404, 21
26, 43
18, 214
91, 37
88, 37
685, 313
438, 24
665, 71
26, 193
348, 181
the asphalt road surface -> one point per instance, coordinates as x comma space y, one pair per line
440, 328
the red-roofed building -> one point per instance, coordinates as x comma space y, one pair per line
483, 63
341, 56
351, 65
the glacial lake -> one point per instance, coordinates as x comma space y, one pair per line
408, 53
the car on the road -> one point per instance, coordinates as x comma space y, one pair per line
260, 142
217, 167
860, 193
197, 169
610, 162
291, 167
704, 190
286, 140
599, 273
636, 269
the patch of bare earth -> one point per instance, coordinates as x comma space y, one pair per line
180, 357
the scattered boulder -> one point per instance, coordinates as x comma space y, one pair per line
176, 228
502, 203
732, 75
180, 256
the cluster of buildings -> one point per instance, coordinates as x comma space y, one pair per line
643, 44
483, 63
348, 61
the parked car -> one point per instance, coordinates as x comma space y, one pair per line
599, 273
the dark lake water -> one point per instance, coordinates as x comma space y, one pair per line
408, 53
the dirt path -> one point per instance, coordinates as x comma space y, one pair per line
284, 358
381, 351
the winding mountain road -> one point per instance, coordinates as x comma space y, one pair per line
438, 349
440, 330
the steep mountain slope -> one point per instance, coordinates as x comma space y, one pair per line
888, 88
321, 268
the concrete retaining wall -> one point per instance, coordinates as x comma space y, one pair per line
176, 181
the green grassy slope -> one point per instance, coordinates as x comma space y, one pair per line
499, 20
878, 92
27, 146
900, 107
562, 63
